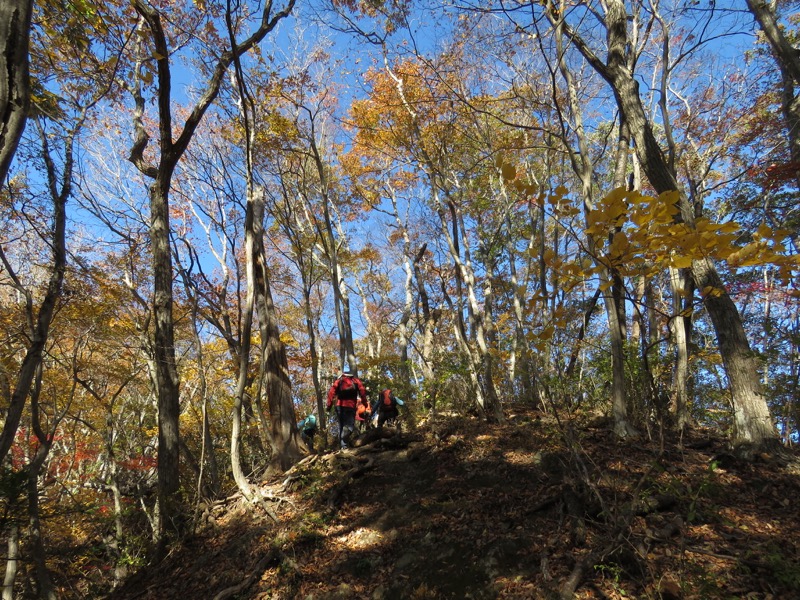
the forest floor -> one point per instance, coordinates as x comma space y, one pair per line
532, 508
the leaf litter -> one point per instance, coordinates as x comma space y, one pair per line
524, 509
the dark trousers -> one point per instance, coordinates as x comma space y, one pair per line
307, 436
347, 422
388, 414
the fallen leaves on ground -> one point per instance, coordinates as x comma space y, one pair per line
466, 509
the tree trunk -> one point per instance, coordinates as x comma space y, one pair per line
752, 420
620, 408
494, 405
473, 342
404, 330
613, 303
312, 344
284, 437
12, 562
46, 589
341, 299
251, 256
587, 316
428, 328
641, 339
678, 327
39, 324
617, 334
120, 569
115, 545
273, 364
786, 56
286, 450
767, 327
374, 335
207, 454
15, 24
43, 580
680, 323
521, 369
167, 381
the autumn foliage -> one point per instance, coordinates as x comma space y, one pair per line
216, 207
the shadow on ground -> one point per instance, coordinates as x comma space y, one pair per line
518, 510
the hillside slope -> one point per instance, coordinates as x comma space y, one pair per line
470, 510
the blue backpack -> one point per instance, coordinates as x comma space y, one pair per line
308, 424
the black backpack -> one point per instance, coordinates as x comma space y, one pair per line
346, 388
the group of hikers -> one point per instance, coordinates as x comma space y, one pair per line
348, 396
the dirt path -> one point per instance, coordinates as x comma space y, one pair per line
477, 511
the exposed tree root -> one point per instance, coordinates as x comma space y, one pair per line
576, 576
229, 592
339, 489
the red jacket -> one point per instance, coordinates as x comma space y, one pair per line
347, 402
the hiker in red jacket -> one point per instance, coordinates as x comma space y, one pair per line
347, 391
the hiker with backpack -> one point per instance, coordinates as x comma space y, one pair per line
386, 407
347, 391
308, 429
363, 416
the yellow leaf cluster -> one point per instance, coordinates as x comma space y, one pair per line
510, 175
638, 234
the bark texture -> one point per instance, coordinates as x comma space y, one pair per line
788, 61
284, 437
15, 24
